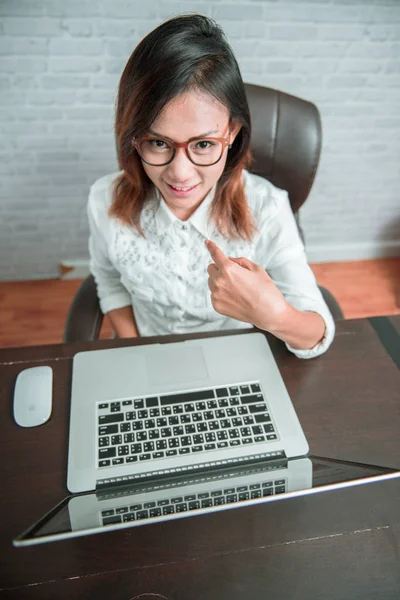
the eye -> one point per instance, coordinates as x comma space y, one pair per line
203, 145
158, 144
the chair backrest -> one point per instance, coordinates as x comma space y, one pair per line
285, 140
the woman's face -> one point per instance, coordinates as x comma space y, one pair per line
191, 115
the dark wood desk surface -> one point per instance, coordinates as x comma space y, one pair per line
341, 544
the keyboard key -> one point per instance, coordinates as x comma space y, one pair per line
234, 433
234, 443
268, 428
272, 437
221, 392
141, 436
267, 492
112, 520
259, 438
143, 414
186, 397
153, 434
211, 404
248, 440
245, 431
248, 420
104, 441
223, 403
242, 410
137, 425
136, 448
198, 439
186, 440
262, 418
181, 507
136, 507
252, 399
124, 427
280, 482
162, 422
231, 412
103, 405
255, 486
121, 510
129, 437
118, 461
168, 510
225, 423
151, 402
234, 391
114, 418
145, 457
178, 430
203, 495
123, 450
155, 512
231, 498
197, 417
210, 437
130, 459
213, 425
197, 448
194, 505
158, 454
166, 432
104, 463
115, 406
149, 423
148, 447
257, 429
161, 444
267, 484
216, 493
108, 429
237, 422
138, 404
189, 407
218, 501
234, 401
130, 415
244, 389
163, 502
206, 503
280, 489
190, 428
202, 427
107, 513
116, 439
127, 403
154, 412
166, 410
222, 444
222, 435
257, 408
149, 505
255, 494
176, 500
171, 453
177, 410
244, 496
220, 414
173, 420
201, 406
142, 514
184, 450
211, 446
255, 387
107, 453
128, 517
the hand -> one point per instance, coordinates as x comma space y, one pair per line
243, 290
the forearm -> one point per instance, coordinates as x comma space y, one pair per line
300, 329
123, 322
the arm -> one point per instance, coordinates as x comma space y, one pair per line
115, 300
123, 322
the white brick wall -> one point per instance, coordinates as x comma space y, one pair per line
59, 68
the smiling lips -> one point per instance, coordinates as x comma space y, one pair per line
181, 191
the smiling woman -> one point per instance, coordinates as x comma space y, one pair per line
183, 134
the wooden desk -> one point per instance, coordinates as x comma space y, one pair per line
341, 544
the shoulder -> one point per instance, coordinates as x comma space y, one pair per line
101, 192
265, 200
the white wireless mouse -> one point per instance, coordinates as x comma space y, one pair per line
33, 395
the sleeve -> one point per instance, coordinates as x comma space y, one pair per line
111, 292
287, 266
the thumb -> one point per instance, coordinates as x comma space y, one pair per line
245, 263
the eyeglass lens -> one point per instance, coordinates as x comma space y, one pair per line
201, 152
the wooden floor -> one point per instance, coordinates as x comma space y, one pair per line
34, 312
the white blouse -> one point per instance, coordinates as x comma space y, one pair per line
164, 277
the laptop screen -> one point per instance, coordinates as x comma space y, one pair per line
186, 496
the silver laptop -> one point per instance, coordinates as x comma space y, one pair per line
187, 495
157, 411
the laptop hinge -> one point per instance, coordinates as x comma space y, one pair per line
152, 476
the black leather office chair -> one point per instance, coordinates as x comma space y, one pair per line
286, 146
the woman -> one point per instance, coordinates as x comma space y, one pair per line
184, 239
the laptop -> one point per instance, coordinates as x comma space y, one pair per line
188, 495
155, 411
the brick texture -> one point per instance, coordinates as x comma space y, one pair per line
59, 68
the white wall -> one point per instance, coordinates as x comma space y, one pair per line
59, 68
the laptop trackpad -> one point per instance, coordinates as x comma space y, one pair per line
177, 366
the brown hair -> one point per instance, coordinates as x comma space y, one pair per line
184, 53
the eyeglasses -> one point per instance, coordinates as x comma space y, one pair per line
158, 152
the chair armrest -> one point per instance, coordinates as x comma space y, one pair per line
332, 304
84, 317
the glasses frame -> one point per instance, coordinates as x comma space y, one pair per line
224, 141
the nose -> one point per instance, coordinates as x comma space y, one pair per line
181, 169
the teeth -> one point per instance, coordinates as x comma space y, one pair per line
182, 189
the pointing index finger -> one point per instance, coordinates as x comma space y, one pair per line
216, 254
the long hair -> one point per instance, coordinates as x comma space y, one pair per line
188, 52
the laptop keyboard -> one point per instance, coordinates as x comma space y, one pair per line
184, 503
158, 427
